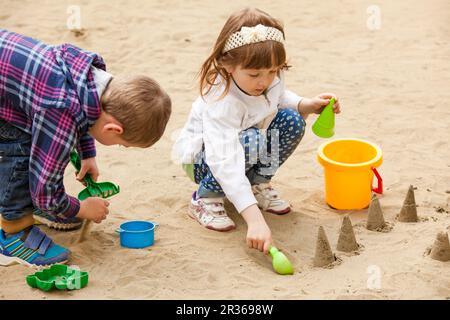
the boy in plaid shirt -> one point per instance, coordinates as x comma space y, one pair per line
54, 99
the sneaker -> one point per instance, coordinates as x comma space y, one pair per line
56, 222
269, 200
32, 249
210, 213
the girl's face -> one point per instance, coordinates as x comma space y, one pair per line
253, 81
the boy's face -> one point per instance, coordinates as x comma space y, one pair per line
253, 81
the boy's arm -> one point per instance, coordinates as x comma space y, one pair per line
54, 135
86, 147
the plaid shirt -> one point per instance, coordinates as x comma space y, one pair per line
49, 92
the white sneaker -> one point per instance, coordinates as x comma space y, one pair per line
269, 200
210, 213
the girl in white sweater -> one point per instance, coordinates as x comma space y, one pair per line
243, 126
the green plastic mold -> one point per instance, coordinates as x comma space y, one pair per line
58, 276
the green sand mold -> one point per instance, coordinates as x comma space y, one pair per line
58, 276
280, 262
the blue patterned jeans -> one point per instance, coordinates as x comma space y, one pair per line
265, 152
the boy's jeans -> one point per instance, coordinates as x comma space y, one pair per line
15, 197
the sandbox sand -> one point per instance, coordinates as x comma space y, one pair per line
393, 85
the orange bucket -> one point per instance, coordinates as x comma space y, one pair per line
349, 166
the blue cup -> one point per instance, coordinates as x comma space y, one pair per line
137, 234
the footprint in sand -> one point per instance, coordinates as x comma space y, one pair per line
126, 281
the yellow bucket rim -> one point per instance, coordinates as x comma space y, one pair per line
361, 164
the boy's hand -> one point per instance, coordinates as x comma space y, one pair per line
95, 209
318, 103
88, 166
259, 235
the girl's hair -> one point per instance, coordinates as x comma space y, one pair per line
260, 55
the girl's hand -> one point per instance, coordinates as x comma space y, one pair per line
88, 166
318, 103
259, 235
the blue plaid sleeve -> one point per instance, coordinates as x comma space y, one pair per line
86, 147
54, 136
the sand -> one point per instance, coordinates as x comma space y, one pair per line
393, 85
323, 255
347, 240
408, 212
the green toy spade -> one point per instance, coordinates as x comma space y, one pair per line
324, 125
93, 189
280, 262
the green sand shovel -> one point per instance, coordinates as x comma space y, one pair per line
280, 262
93, 189
324, 125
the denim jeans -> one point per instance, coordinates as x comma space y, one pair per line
283, 135
15, 197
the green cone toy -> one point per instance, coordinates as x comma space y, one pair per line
280, 262
324, 125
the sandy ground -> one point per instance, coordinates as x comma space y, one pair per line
393, 84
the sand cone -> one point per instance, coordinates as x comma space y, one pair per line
347, 241
375, 219
408, 213
441, 248
324, 256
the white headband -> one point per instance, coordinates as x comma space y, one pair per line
254, 34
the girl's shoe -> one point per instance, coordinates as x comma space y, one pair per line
210, 213
269, 200
32, 250
55, 222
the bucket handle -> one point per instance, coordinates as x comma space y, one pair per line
379, 188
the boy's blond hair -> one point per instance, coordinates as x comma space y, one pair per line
141, 106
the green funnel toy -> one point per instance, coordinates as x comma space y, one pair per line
280, 262
93, 189
324, 125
